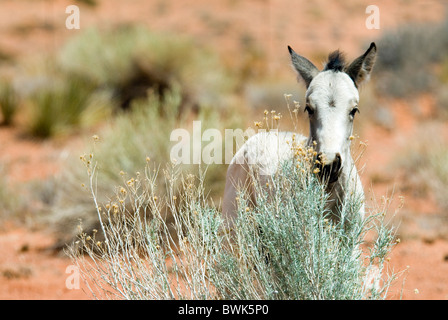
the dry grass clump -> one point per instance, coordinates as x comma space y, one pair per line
284, 247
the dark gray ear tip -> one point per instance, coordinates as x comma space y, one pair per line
290, 50
372, 46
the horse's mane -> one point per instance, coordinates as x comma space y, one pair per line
336, 61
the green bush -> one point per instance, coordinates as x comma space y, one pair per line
59, 106
9, 102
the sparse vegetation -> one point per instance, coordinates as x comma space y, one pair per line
428, 167
122, 149
98, 73
136, 60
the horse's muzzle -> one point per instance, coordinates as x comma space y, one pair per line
329, 172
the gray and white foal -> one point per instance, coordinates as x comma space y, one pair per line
332, 100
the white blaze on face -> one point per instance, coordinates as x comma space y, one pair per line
331, 99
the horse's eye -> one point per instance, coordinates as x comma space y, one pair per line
353, 112
309, 110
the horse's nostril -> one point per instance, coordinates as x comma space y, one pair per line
338, 157
329, 172
337, 163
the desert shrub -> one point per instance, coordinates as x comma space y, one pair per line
9, 102
132, 59
284, 247
406, 58
122, 148
60, 106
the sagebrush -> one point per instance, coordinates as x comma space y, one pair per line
284, 247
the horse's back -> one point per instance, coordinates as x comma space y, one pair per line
261, 155
266, 150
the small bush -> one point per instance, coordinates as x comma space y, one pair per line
9, 102
130, 60
406, 58
285, 247
58, 107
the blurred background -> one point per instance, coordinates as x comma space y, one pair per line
136, 70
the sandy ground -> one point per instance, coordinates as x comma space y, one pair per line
29, 271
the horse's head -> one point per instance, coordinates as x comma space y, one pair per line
332, 102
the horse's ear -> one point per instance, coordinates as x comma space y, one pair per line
305, 68
359, 70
